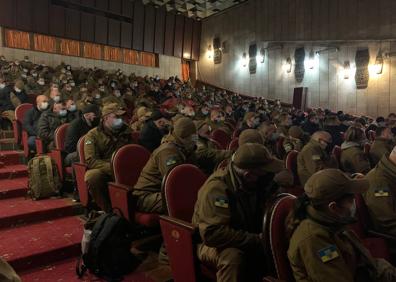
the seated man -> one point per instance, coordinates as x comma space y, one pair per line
78, 128
72, 112
49, 121
229, 214
353, 159
311, 125
5, 101
153, 130
322, 248
382, 144
380, 197
177, 148
314, 156
294, 139
53, 94
100, 144
250, 121
31, 118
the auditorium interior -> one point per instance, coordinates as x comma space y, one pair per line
197, 140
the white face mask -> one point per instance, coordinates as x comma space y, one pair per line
117, 123
56, 99
44, 106
2, 85
72, 84
41, 82
117, 94
34, 74
72, 108
97, 96
17, 89
62, 113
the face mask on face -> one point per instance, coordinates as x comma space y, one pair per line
2, 85
117, 94
274, 136
323, 144
97, 96
72, 84
62, 113
41, 82
56, 99
117, 124
17, 89
43, 106
72, 108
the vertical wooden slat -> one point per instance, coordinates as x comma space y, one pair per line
7, 13
159, 37
57, 21
149, 28
169, 34
40, 16
23, 14
324, 19
292, 19
300, 20
73, 24
196, 40
138, 25
114, 33
87, 27
101, 26
178, 42
187, 38
333, 17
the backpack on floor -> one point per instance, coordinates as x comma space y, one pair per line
106, 249
44, 180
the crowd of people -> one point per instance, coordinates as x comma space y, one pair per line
175, 122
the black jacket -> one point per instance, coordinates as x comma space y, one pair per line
22, 96
5, 101
335, 133
77, 128
150, 136
30, 121
47, 124
310, 127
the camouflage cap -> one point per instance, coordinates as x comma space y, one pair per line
330, 184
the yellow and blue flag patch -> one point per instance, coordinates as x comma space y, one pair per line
382, 192
221, 202
329, 253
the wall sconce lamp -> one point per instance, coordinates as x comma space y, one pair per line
261, 56
244, 59
379, 63
330, 48
347, 70
210, 52
311, 60
287, 67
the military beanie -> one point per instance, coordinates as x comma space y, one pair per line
184, 127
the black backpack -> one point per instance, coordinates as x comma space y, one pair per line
108, 255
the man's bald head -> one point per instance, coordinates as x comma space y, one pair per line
322, 135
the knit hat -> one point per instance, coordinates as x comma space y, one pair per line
250, 136
256, 156
112, 108
184, 127
295, 131
19, 83
90, 108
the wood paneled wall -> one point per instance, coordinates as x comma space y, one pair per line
349, 24
118, 23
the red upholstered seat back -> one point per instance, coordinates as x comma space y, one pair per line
60, 135
291, 165
367, 148
221, 137
233, 146
20, 112
363, 217
128, 163
275, 233
181, 190
337, 153
80, 149
135, 136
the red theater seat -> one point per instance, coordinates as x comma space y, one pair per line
135, 137
233, 146
183, 182
79, 171
337, 154
221, 137
127, 164
56, 154
20, 135
291, 165
275, 236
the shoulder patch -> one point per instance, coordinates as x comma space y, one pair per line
88, 142
329, 253
382, 192
316, 157
171, 161
221, 202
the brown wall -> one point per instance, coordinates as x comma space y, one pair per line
119, 23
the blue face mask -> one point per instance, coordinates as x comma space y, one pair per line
117, 123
